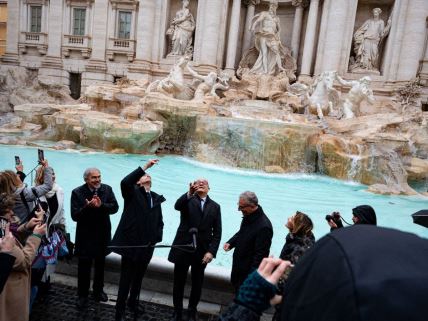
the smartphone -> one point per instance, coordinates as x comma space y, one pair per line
41, 155
3, 224
17, 161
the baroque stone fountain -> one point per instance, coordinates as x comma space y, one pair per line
259, 118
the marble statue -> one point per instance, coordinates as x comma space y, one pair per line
266, 29
207, 85
360, 91
324, 97
367, 42
173, 85
181, 31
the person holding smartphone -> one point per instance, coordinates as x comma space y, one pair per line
15, 298
25, 196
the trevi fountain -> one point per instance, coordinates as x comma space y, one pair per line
275, 108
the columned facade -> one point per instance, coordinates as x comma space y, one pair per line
98, 41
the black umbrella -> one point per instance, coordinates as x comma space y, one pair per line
421, 217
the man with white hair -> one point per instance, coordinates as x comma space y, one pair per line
91, 207
200, 224
253, 240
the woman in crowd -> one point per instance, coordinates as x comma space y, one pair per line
54, 199
10, 183
299, 239
14, 300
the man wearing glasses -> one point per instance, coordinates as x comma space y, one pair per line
252, 241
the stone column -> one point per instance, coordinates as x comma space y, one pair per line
232, 43
146, 19
51, 67
308, 49
412, 45
99, 30
297, 27
55, 28
13, 30
251, 7
96, 69
213, 33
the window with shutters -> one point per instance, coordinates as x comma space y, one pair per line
79, 20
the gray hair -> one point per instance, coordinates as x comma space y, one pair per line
250, 198
88, 171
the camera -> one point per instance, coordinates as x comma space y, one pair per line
335, 217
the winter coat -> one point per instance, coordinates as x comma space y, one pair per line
207, 222
93, 228
15, 298
139, 224
362, 273
20, 209
295, 246
252, 243
6, 264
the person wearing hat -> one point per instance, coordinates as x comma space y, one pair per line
362, 214
363, 273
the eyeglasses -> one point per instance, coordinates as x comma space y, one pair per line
242, 207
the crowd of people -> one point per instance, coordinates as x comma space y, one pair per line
307, 277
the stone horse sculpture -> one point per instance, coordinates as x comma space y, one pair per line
173, 85
324, 97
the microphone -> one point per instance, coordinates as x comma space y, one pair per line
193, 231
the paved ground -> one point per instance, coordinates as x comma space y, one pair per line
60, 305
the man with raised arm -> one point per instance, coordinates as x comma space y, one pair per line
200, 216
91, 207
141, 224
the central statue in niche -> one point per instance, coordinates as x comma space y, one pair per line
266, 28
181, 32
267, 68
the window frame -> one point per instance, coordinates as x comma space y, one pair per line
39, 19
80, 27
129, 23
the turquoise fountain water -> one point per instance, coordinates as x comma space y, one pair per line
279, 195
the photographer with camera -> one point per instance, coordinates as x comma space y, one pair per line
362, 214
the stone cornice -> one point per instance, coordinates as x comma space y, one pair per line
86, 3
251, 2
301, 3
124, 4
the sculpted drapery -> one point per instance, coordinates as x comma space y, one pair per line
367, 41
181, 31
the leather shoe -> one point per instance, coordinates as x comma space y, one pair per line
177, 316
82, 302
100, 296
191, 315
135, 309
119, 316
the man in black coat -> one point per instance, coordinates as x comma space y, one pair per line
141, 224
197, 211
91, 207
253, 240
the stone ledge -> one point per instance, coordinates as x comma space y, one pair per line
159, 278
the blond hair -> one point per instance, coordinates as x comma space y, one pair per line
302, 224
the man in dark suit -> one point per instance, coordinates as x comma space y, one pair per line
141, 224
197, 211
253, 240
91, 207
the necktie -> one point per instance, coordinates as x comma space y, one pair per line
202, 204
149, 200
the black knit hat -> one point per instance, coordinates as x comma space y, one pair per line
360, 273
365, 214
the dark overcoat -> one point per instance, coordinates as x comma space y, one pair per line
208, 223
251, 243
139, 224
93, 230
